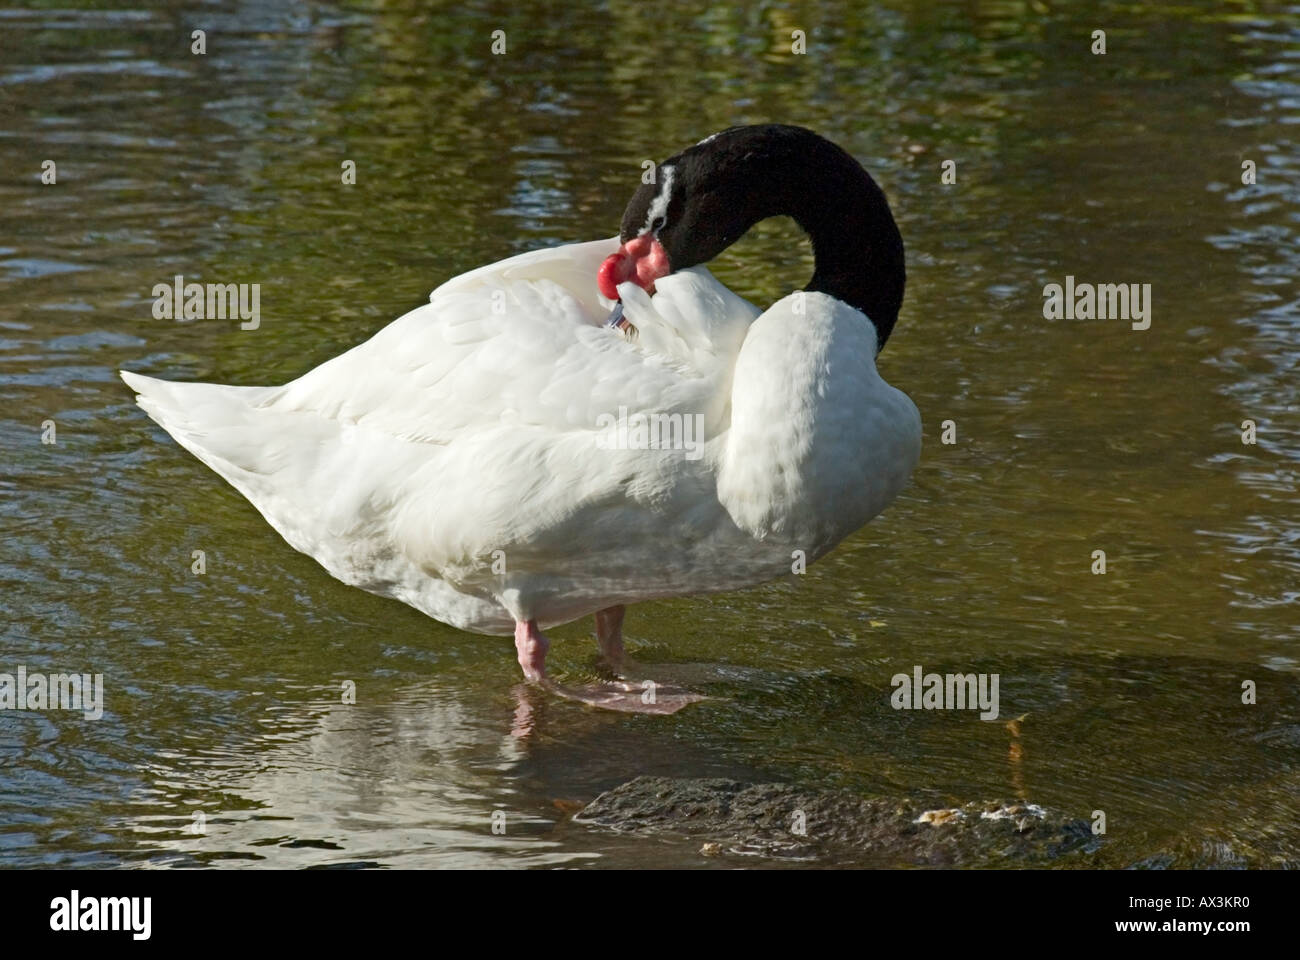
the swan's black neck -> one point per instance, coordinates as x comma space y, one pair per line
857, 249
722, 186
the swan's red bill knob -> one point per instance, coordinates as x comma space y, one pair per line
642, 260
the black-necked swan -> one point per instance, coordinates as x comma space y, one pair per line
515, 455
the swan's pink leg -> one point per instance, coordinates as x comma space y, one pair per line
532, 645
609, 634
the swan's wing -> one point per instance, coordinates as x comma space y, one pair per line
524, 342
471, 427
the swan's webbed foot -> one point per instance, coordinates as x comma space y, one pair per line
621, 694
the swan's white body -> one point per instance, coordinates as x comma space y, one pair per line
456, 461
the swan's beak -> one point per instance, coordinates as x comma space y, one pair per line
642, 260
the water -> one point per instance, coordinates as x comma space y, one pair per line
223, 690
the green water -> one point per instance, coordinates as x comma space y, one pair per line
223, 690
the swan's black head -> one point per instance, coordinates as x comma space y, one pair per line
706, 198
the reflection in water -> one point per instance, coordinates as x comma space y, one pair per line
423, 780
415, 783
222, 690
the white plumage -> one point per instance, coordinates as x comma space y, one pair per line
467, 435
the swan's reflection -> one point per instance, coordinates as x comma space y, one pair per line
428, 780
430, 777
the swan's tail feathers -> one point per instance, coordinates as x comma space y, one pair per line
217, 423
309, 475
263, 453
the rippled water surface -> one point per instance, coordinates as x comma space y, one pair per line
223, 690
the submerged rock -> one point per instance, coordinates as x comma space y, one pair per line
784, 821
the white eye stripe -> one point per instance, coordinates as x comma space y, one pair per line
659, 206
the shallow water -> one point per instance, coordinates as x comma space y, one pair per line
223, 690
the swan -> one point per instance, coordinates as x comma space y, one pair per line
580, 428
